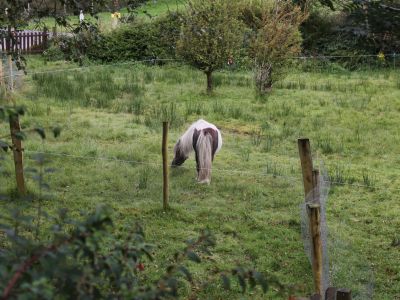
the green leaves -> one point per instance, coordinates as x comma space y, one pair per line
40, 131
4, 146
186, 272
56, 131
193, 256
246, 278
226, 283
20, 135
261, 280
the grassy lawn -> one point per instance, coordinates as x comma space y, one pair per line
151, 8
110, 152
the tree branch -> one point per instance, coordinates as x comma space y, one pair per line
389, 7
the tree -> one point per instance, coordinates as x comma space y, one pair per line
275, 37
210, 35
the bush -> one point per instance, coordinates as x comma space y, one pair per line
92, 261
351, 31
139, 40
274, 38
77, 45
53, 53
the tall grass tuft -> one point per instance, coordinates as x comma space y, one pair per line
163, 112
368, 180
267, 145
256, 136
325, 144
195, 108
273, 168
144, 175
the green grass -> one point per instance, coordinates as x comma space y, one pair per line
104, 20
252, 204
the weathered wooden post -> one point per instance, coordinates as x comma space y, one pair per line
1, 70
311, 191
11, 74
165, 165
306, 164
17, 152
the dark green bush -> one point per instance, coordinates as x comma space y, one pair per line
93, 259
53, 53
349, 31
139, 40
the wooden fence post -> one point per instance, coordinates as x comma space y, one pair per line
1, 70
311, 188
315, 230
11, 75
343, 294
165, 165
306, 164
45, 39
17, 152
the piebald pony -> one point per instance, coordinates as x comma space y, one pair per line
205, 139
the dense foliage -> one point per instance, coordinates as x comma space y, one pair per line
139, 40
93, 259
8, 113
355, 27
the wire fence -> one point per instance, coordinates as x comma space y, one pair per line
381, 58
272, 171
291, 165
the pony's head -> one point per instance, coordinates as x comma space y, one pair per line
179, 155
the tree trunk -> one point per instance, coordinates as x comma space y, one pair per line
263, 78
209, 82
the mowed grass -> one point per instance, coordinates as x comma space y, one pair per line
110, 152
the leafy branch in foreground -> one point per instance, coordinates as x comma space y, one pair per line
86, 259
7, 113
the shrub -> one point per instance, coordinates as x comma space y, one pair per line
275, 36
139, 40
76, 46
96, 261
53, 53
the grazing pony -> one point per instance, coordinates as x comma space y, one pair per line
205, 139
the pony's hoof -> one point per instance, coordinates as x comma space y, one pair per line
204, 181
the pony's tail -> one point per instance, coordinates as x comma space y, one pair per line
204, 156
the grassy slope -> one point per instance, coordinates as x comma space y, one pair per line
352, 120
105, 20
